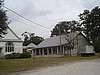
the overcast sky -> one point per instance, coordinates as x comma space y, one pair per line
46, 13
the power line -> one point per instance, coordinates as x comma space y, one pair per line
27, 24
25, 18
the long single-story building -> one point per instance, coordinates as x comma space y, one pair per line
71, 44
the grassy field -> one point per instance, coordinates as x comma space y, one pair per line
16, 65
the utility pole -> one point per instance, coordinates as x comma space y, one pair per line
77, 46
70, 42
60, 38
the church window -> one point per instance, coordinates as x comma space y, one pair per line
9, 47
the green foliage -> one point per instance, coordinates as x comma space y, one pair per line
12, 56
15, 55
25, 43
25, 55
36, 40
91, 22
3, 20
97, 45
30, 38
18, 55
9, 56
64, 27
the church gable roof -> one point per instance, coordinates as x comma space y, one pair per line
13, 32
10, 36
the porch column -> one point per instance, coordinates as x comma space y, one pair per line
57, 51
63, 50
47, 51
39, 51
32, 55
42, 51
51, 51
34, 52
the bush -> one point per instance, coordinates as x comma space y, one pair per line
18, 55
15, 55
12, 56
9, 56
25, 55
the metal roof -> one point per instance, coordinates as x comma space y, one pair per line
55, 41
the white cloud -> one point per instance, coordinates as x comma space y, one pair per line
90, 4
46, 12
31, 10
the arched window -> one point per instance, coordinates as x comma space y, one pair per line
9, 47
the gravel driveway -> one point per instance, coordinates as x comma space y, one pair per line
86, 67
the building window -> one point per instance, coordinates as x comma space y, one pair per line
9, 47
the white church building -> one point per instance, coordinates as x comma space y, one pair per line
10, 43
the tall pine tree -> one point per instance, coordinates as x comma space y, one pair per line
3, 19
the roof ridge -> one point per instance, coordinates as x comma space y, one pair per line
13, 32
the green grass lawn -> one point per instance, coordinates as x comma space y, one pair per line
16, 65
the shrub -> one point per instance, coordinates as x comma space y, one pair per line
9, 56
18, 55
12, 56
15, 55
25, 55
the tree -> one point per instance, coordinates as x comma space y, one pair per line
37, 39
90, 20
3, 20
84, 19
31, 38
26, 39
64, 27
